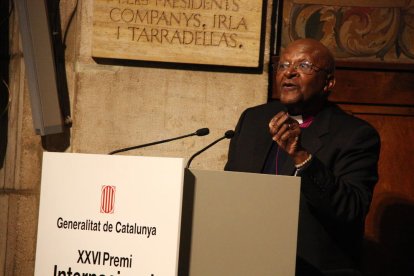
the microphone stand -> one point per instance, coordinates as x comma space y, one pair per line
229, 134
200, 132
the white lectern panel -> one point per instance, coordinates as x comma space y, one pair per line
109, 215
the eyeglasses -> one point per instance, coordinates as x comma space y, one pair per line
305, 67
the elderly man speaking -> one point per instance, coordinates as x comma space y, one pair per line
335, 154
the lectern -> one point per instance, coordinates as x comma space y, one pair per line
238, 224
124, 215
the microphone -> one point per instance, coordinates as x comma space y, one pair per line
199, 132
227, 135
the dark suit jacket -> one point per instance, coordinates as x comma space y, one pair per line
336, 186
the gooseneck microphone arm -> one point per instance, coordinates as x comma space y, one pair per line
229, 134
199, 132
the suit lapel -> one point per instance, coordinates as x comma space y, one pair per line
312, 136
261, 150
263, 139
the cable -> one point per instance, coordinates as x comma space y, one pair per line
9, 101
72, 15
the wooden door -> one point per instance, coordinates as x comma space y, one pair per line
386, 100
389, 232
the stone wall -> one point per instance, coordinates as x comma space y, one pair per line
113, 107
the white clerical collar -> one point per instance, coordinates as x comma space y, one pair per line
298, 118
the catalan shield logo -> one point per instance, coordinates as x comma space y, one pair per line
108, 199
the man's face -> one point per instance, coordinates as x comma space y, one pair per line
296, 88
